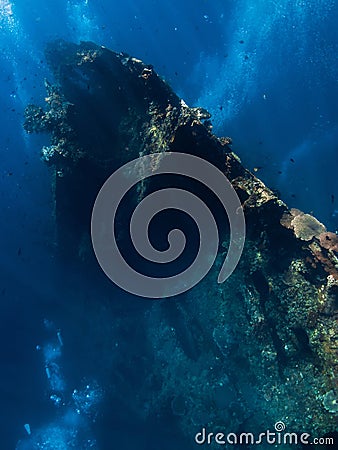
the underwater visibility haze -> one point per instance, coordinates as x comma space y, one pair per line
248, 86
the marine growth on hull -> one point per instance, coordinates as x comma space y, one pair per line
260, 348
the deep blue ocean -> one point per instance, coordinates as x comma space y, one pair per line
267, 71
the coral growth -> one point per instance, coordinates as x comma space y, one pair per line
329, 241
55, 120
306, 227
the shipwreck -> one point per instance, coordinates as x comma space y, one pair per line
260, 348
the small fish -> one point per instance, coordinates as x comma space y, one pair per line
332, 198
256, 169
19, 251
292, 160
241, 41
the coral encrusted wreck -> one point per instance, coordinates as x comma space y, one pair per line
242, 355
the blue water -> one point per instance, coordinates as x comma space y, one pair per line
267, 70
